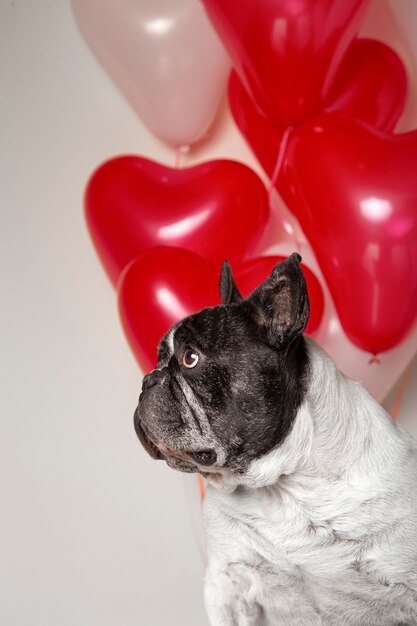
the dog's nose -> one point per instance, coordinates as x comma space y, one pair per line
151, 379
203, 457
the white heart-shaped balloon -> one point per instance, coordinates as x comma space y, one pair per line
164, 56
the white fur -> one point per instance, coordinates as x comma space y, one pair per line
323, 529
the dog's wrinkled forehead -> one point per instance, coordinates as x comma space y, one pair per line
214, 330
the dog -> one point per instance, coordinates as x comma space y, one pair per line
311, 502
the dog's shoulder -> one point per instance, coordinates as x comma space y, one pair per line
340, 490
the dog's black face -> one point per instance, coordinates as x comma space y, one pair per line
230, 378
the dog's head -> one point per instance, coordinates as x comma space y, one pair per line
230, 378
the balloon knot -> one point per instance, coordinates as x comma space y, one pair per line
285, 223
180, 152
374, 359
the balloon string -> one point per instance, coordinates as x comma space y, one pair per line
400, 394
280, 158
179, 153
277, 169
201, 487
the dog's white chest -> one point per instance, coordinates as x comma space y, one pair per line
313, 547
303, 535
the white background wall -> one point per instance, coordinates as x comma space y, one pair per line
93, 533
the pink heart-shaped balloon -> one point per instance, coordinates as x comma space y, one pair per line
353, 189
371, 85
164, 285
287, 52
218, 209
165, 58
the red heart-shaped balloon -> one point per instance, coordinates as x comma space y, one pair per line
217, 209
165, 285
287, 52
371, 85
354, 190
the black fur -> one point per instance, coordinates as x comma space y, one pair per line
228, 290
251, 376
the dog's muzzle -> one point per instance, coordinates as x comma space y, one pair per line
157, 448
145, 439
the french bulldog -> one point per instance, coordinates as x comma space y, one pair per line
311, 502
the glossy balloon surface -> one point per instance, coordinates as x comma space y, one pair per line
287, 52
218, 210
378, 376
354, 191
164, 56
165, 285
371, 86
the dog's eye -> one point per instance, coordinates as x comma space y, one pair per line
190, 358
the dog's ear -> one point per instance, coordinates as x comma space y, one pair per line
281, 303
228, 291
